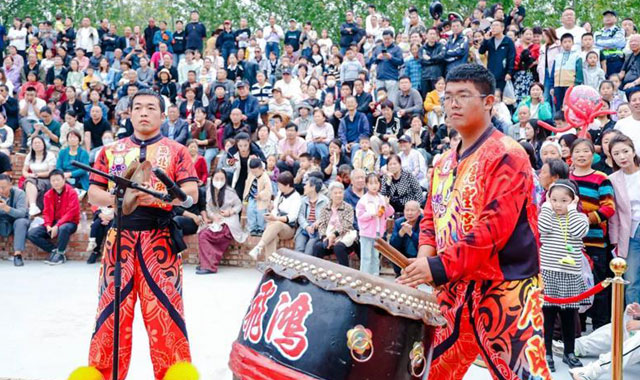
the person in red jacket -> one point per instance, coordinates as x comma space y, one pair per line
479, 243
61, 216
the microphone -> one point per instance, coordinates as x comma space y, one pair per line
172, 188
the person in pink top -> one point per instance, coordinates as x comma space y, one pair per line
290, 148
372, 212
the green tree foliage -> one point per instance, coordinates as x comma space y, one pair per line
328, 14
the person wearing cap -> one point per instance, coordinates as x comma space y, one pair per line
305, 117
348, 32
226, 41
289, 86
611, 41
248, 104
292, 35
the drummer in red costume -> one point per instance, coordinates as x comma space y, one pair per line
151, 263
479, 243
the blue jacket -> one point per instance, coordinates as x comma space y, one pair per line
351, 130
500, 61
250, 108
80, 176
388, 69
182, 132
406, 244
157, 38
456, 51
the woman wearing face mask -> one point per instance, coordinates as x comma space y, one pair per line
624, 227
222, 217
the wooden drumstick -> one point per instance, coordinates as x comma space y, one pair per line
391, 253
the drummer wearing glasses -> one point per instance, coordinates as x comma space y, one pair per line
478, 243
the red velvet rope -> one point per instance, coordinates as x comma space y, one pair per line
562, 301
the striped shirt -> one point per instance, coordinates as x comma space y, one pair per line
556, 233
596, 197
312, 212
262, 93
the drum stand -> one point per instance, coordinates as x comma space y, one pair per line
122, 184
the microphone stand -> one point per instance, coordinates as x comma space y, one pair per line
122, 184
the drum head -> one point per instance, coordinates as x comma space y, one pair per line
363, 288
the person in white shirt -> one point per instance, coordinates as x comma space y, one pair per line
281, 221
290, 86
18, 36
630, 125
412, 161
86, 36
569, 26
186, 65
272, 34
29, 108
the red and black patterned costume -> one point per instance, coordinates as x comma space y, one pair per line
151, 268
482, 220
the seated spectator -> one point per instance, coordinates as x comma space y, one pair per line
94, 128
307, 165
204, 134
319, 135
102, 222
48, 129
95, 100
313, 204
30, 108
352, 125
257, 193
304, 119
335, 159
281, 220
107, 140
406, 232
32, 82
72, 103
335, 227
56, 92
381, 161
413, 162
535, 103
433, 104
198, 162
290, 148
36, 169
190, 219
387, 128
364, 158
222, 217
248, 104
9, 106
279, 104
166, 86
236, 124
71, 123
190, 105
420, 139
408, 101
192, 82
14, 220
265, 142
61, 215
219, 109
372, 212
400, 186
78, 178
174, 127
6, 136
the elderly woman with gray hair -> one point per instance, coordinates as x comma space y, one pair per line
335, 227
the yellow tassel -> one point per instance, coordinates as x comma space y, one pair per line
86, 373
182, 371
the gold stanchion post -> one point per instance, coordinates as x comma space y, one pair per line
618, 267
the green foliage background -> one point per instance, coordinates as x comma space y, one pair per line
323, 14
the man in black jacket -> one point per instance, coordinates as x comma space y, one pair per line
348, 32
364, 99
432, 59
9, 107
149, 32
219, 107
501, 55
179, 43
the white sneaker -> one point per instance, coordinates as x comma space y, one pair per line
81, 194
557, 347
579, 374
34, 210
256, 251
92, 245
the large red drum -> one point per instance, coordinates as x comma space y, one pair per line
313, 319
